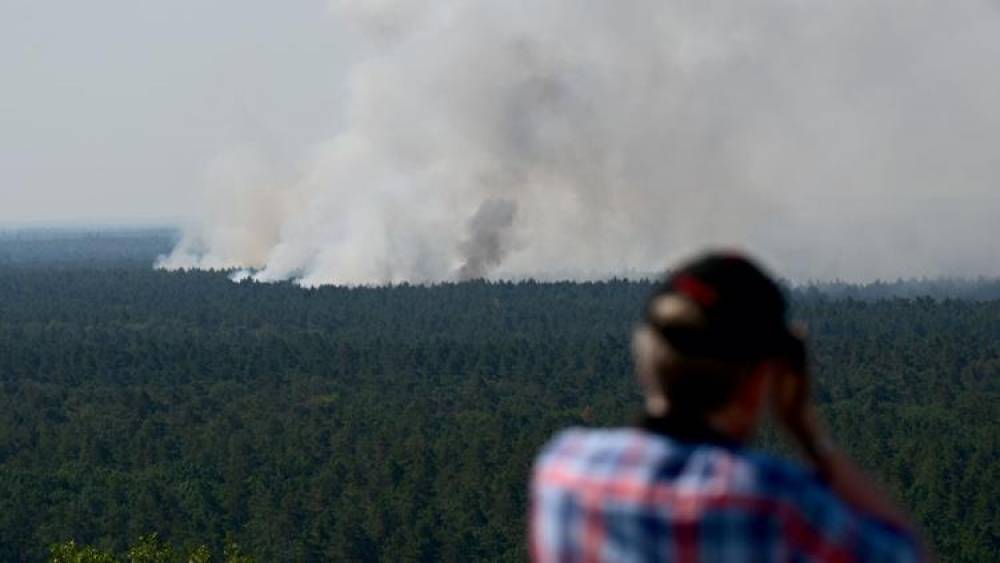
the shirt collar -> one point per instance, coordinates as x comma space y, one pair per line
685, 430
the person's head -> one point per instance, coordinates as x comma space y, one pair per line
712, 335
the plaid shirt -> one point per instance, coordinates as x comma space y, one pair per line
633, 495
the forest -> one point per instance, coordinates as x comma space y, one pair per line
400, 423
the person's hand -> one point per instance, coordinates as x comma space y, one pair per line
792, 403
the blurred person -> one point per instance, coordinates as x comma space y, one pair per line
713, 353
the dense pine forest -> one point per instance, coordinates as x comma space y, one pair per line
399, 423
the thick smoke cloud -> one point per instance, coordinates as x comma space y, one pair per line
855, 139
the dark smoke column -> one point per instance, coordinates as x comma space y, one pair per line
489, 238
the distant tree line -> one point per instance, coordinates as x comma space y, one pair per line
58, 247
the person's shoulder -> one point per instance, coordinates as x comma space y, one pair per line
618, 461
807, 502
778, 477
580, 442
599, 451
630, 446
787, 486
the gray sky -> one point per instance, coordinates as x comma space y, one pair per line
112, 110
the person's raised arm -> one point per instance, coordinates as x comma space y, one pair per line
794, 409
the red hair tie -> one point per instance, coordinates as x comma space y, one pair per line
697, 290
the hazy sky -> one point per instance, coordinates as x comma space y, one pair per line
365, 141
112, 110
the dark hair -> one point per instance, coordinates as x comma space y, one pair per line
716, 317
697, 385
743, 310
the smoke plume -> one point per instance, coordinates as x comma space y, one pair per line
488, 242
855, 139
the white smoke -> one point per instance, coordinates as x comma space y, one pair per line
852, 139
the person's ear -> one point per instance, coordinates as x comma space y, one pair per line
756, 387
644, 355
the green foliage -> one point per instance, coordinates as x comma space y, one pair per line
69, 552
400, 423
148, 549
233, 553
202, 554
151, 549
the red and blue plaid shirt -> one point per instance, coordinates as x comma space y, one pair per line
634, 495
